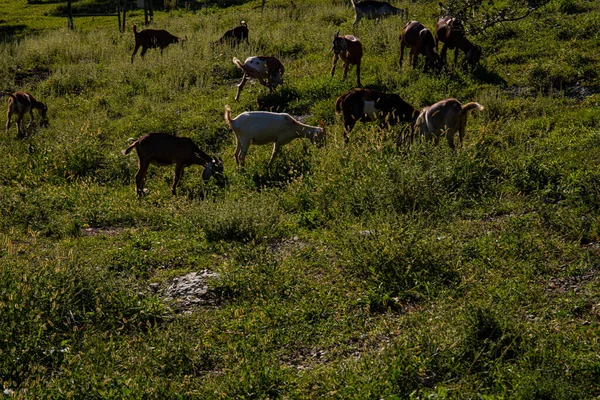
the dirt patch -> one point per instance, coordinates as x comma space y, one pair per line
191, 290
285, 247
570, 283
106, 231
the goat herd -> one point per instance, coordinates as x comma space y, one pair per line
445, 117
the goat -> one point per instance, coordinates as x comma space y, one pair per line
420, 41
164, 149
21, 103
235, 35
151, 39
451, 32
372, 9
261, 68
372, 105
262, 127
350, 50
446, 116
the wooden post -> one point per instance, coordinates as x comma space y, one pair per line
119, 13
70, 15
124, 15
146, 12
150, 10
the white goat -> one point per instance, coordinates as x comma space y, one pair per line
268, 70
446, 116
262, 127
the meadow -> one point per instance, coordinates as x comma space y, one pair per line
359, 271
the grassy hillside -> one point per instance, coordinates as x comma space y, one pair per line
358, 271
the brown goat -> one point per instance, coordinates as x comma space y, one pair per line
444, 117
21, 103
372, 105
235, 36
151, 39
268, 70
350, 50
451, 32
420, 41
164, 149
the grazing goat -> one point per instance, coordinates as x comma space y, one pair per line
261, 68
444, 117
420, 41
350, 50
164, 149
451, 32
371, 105
371, 9
21, 103
235, 36
151, 39
262, 127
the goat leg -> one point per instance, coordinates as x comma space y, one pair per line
140, 176
134, 52
241, 86
346, 66
275, 151
177, 177
358, 74
335, 58
9, 116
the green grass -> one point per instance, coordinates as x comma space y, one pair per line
358, 271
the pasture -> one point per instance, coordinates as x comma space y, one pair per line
351, 271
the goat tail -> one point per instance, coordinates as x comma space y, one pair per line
338, 104
238, 62
472, 106
135, 29
228, 116
131, 147
7, 93
353, 5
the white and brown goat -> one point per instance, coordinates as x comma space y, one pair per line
163, 149
419, 40
262, 127
268, 70
445, 117
349, 49
371, 105
451, 32
21, 103
153, 38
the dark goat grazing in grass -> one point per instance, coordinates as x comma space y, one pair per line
268, 70
371, 9
164, 149
451, 32
350, 50
235, 35
21, 103
444, 117
371, 105
151, 39
420, 41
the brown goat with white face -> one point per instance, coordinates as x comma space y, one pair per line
371, 105
451, 32
151, 39
420, 41
21, 103
444, 117
164, 149
350, 50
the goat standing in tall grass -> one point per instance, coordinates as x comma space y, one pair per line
372, 9
420, 41
163, 149
349, 49
372, 105
268, 70
451, 32
235, 36
444, 117
21, 103
262, 127
153, 38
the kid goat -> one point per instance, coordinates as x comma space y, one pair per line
164, 149
420, 41
262, 127
371, 105
151, 39
349, 49
451, 32
261, 68
21, 103
444, 117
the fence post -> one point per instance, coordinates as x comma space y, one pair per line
70, 15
